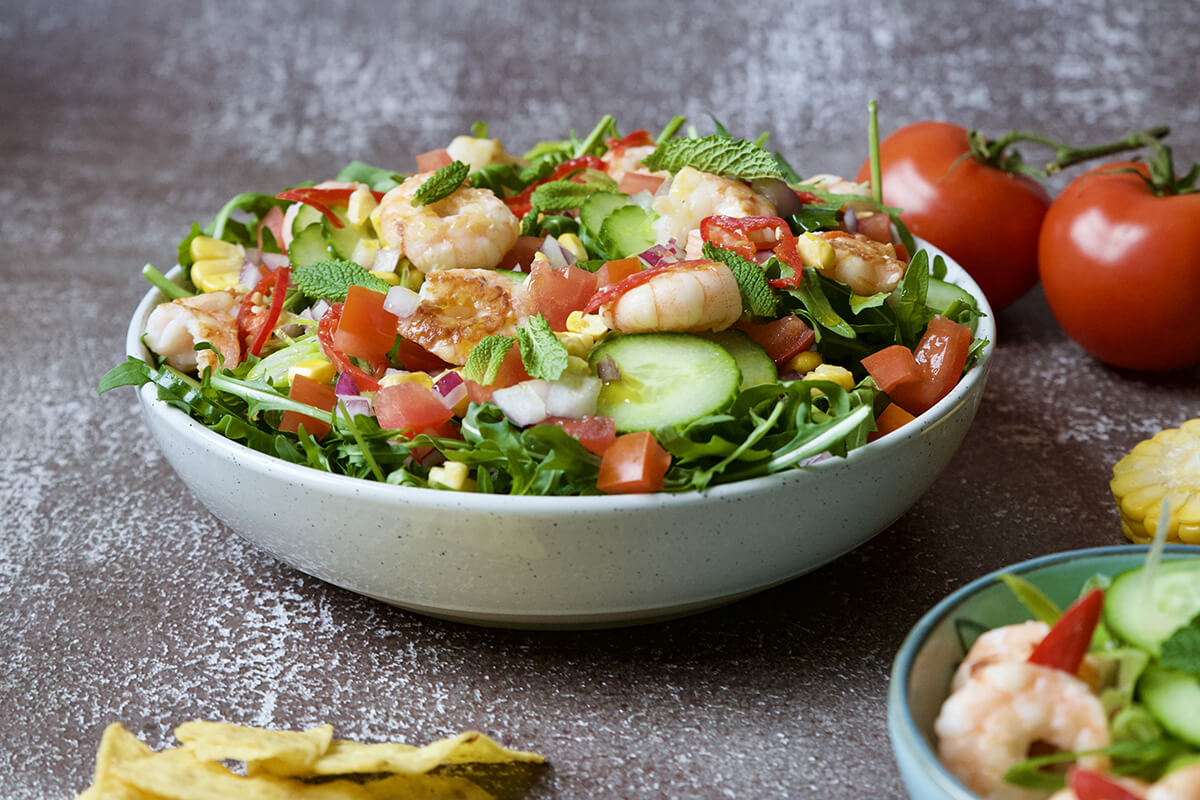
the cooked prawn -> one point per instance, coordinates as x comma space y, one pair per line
459, 307
836, 184
1182, 784
864, 264
689, 296
694, 195
472, 228
174, 329
620, 161
1006, 643
990, 723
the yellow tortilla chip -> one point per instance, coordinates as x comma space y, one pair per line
277, 752
117, 746
344, 758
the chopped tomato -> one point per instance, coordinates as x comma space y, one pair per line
892, 418
318, 395
616, 271
595, 433
634, 182
557, 291
366, 330
638, 138
512, 371
410, 407
941, 355
256, 326
891, 367
1068, 639
325, 333
782, 338
433, 160
415, 358
877, 227
635, 462
1089, 785
521, 254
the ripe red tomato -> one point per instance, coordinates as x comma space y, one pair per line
411, 407
985, 218
1120, 266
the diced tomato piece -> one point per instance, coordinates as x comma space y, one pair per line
877, 227
512, 371
417, 359
616, 271
520, 255
557, 291
410, 407
638, 138
902, 252
318, 395
595, 433
433, 160
781, 338
941, 356
634, 182
634, 462
892, 418
1068, 639
1089, 785
366, 329
891, 367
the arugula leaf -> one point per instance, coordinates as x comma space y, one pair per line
378, 178
716, 154
183, 256
758, 298
479, 129
908, 300
224, 226
332, 279
543, 355
1181, 650
441, 184
811, 294
1034, 599
483, 363
130, 372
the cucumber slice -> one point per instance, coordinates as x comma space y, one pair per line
1145, 616
627, 232
342, 240
1174, 700
756, 366
666, 379
309, 246
307, 215
598, 206
942, 294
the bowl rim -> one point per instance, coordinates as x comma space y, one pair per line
265, 464
900, 718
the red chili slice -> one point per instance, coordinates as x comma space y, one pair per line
275, 282
1068, 640
520, 204
733, 233
322, 199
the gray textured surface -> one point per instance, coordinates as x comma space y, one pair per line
122, 599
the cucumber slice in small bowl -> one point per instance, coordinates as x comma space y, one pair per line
665, 379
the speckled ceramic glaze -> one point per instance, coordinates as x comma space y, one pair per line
562, 561
926, 662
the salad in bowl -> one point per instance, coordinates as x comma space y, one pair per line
615, 314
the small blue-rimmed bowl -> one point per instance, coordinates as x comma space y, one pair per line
922, 670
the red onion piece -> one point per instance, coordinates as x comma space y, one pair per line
274, 260
780, 194
850, 220
357, 405
557, 255
661, 254
448, 382
607, 369
346, 385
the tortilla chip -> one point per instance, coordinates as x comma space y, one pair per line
117, 746
276, 752
345, 758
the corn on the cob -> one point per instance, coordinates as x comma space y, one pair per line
1166, 466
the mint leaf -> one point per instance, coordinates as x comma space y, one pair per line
441, 184
758, 298
1181, 650
542, 353
483, 364
716, 154
332, 279
561, 195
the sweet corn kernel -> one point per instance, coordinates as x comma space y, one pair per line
453, 475
396, 378
593, 324
205, 247
574, 245
1165, 468
832, 372
360, 207
815, 252
315, 369
365, 252
376, 217
540, 256
577, 344
217, 274
803, 362
390, 278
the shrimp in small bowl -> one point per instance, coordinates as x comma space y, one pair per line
1026, 709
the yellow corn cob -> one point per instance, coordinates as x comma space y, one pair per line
1165, 467
216, 264
205, 247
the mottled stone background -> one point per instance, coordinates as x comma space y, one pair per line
122, 599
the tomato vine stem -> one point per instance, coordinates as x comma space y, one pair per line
997, 152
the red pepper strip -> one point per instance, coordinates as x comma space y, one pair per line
639, 138
806, 197
275, 282
322, 199
1089, 785
1068, 641
325, 332
733, 233
615, 290
520, 204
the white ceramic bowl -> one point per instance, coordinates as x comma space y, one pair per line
563, 562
